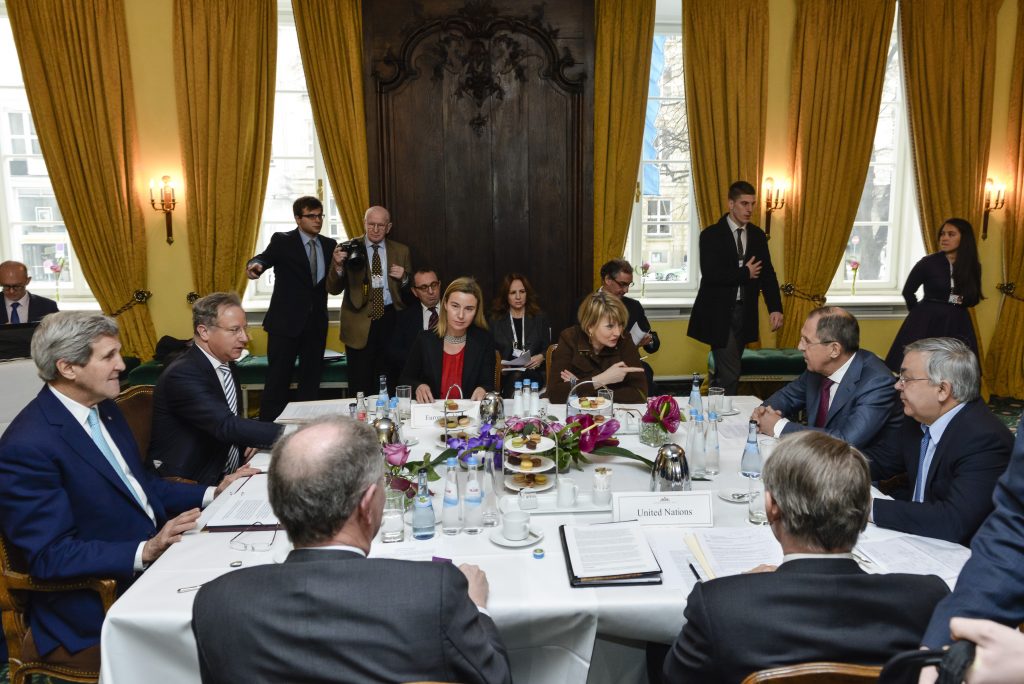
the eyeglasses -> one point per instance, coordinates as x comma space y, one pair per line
624, 286
377, 225
313, 217
903, 380
252, 546
236, 330
427, 287
808, 343
15, 288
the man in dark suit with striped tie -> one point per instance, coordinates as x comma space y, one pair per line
198, 432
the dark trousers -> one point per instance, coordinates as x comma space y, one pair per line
282, 351
366, 365
727, 358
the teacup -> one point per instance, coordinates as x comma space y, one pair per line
515, 525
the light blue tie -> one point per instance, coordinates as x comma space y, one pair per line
101, 444
15, 318
922, 467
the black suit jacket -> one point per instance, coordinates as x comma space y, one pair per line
408, 324
193, 427
295, 299
719, 278
334, 616
37, 308
808, 610
969, 459
427, 356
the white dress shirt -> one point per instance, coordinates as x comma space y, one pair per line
22, 307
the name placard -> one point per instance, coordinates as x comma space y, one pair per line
692, 509
427, 415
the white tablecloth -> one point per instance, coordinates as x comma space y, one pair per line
549, 628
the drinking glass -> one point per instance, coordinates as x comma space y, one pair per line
609, 407
755, 505
404, 394
392, 527
715, 395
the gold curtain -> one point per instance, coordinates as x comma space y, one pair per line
726, 97
1004, 367
331, 43
225, 57
622, 69
839, 56
74, 59
949, 49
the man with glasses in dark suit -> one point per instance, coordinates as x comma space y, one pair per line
414, 319
20, 305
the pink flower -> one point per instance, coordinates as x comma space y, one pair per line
854, 264
663, 410
598, 435
396, 454
645, 267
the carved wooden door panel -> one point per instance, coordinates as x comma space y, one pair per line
480, 129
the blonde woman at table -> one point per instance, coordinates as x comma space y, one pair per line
459, 352
597, 350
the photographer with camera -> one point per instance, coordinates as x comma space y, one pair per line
371, 271
296, 320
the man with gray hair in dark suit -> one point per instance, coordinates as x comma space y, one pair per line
329, 613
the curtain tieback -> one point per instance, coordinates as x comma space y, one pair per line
791, 290
138, 297
1009, 290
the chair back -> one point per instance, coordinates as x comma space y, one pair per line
547, 363
817, 673
136, 403
497, 371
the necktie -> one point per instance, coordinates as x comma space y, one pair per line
922, 467
739, 244
313, 249
823, 401
376, 293
228, 383
15, 318
432, 323
101, 443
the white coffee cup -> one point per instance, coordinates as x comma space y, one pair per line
515, 525
567, 493
726, 404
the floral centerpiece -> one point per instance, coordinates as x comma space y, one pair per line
661, 418
854, 266
56, 267
579, 436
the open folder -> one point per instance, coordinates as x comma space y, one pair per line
608, 554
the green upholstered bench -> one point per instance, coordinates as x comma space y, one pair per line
252, 372
768, 365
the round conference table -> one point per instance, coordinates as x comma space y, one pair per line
553, 632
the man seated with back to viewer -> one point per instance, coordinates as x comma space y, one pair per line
75, 497
951, 447
329, 613
818, 605
412, 320
846, 391
20, 305
199, 432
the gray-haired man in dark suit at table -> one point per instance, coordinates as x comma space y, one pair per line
329, 612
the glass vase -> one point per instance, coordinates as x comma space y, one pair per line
653, 434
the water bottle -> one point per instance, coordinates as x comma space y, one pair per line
695, 401
695, 455
383, 391
381, 410
517, 400
750, 464
422, 510
395, 415
711, 452
450, 513
527, 400
361, 407
489, 512
688, 440
535, 399
472, 502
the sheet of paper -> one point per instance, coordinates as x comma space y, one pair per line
916, 555
675, 557
245, 503
307, 411
609, 549
735, 550
636, 333
330, 354
517, 362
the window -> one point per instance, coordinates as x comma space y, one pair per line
31, 226
662, 231
296, 165
885, 240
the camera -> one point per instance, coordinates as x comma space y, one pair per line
356, 250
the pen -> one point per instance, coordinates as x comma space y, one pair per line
695, 573
245, 481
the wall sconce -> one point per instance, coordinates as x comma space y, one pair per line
995, 199
775, 199
165, 203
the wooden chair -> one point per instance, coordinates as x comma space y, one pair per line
547, 364
817, 673
136, 403
15, 583
497, 371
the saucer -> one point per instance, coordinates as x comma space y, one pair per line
736, 496
734, 412
498, 538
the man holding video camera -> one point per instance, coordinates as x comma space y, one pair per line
296, 320
371, 271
